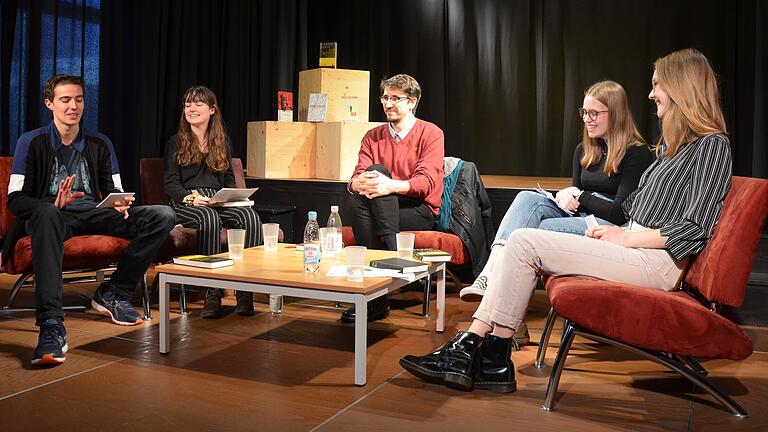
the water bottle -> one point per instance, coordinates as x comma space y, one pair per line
312, 244
333, 241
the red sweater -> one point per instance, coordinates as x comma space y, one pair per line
418, 159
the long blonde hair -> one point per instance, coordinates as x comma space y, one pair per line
189, 152
622, 130
687, 77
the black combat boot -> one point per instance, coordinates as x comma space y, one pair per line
212, 308
495, 370
244, 305
453, 364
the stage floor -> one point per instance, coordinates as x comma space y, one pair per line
292, 372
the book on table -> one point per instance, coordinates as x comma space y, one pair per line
203, 261
403, 265
432, 255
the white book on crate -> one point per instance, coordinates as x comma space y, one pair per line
318, 106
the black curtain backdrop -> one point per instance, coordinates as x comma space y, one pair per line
153, 51
504, 78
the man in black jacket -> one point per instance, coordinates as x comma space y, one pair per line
59, 174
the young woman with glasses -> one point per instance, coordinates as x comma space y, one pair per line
607, 165
672, 214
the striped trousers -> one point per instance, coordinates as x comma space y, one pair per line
209, 220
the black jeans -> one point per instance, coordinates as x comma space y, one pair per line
49, 227
385, 215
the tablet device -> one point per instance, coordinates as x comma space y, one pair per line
114, 197
233, 194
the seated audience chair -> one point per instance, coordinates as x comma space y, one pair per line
671, 328
82, 254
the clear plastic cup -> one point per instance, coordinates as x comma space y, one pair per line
405, 245
236, 243
270, 231
355, 262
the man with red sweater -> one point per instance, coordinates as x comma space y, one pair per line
398, 180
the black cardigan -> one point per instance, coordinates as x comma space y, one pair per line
180, 180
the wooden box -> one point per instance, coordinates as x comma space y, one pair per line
281, 149
347, 92
338, 144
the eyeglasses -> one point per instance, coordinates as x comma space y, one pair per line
394, 99
593, 114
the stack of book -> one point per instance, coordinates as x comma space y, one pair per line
400, 264
432, 255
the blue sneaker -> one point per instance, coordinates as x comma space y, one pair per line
121, 311
51, 344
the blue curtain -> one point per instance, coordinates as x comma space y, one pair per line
40, 39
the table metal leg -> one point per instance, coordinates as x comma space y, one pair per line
440, 324
361, 339
164, 293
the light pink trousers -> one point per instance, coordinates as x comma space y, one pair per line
531, 251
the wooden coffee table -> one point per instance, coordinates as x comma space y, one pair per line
282, 273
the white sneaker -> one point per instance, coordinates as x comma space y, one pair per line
476, 291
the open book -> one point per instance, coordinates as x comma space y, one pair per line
549, 195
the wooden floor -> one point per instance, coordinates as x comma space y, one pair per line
294, 372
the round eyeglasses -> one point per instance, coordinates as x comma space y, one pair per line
593, 114
394, 99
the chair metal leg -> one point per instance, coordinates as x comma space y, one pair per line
183, 300
557, 367
16, 288
452, 276
566, 323
689, 368
145, 298
427, 287
541, 352
694, 365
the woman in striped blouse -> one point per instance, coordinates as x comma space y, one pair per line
198, 162
671, 214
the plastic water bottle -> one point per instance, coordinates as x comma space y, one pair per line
333, 241
312, 244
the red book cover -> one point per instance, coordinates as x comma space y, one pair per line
284, 101
284, 106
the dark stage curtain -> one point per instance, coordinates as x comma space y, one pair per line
504, 78
153, 51
37, 40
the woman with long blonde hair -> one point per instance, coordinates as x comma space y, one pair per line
198, 162
672, 215
607, 165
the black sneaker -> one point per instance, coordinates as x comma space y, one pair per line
212, 308
121, 311
51, 344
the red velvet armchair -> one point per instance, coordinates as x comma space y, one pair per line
82, 254
670, 328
